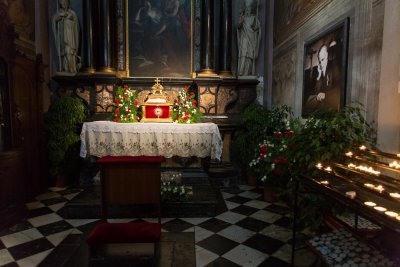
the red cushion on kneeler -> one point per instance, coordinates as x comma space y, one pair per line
140, 232
133, 159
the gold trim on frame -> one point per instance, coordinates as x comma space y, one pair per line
192, 24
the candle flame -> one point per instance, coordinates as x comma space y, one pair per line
328, 169
319, 165
395, 195
394, 164
349, 154
363, 147
363, 168
369, 203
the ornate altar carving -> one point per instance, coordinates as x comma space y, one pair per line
157, 108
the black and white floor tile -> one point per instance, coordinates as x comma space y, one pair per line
250, 233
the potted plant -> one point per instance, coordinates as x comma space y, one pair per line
63, 123
249, 134
324, 137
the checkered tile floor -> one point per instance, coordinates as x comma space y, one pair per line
250, 233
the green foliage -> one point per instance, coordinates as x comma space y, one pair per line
126, 105
63, 122
185, 109
257, 125
327, 136
323, 137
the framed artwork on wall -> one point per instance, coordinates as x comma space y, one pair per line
325, 69
160, 38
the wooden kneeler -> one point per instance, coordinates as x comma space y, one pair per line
128, 180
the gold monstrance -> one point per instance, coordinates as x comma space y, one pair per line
157, 108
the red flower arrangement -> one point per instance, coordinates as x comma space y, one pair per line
125, 105
271, 158
185, 109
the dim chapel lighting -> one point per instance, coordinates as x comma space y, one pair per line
363, 168
349, 154
319, 166
328, 169
391, 213
395, 165
381, 209
370, 204
395, 195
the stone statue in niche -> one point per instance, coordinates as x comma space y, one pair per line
249, 36
66, 34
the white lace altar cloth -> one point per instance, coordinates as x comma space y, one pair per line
107, 138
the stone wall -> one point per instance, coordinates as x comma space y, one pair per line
367, 37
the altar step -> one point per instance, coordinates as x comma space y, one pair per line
206, 202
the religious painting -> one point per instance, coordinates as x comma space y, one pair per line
325, 68
160, 38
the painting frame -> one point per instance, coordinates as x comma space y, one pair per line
325, 69
167, 55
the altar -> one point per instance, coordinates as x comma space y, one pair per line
107, 138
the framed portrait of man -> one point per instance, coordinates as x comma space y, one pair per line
160, 38
325, 69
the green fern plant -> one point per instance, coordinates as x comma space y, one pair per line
63, 124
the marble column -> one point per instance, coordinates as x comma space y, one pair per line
207, 39
87, 42
225, 48
105, 37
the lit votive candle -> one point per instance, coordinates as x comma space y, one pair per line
324, 182
349, 154
398, 218
328, 169
379, 188
395, 195
319, 166
381, 209
395, 165
363, 147
391, 213
351, 165
370, 204
369, 185
398, 155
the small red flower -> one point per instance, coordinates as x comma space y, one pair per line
116, 119
117, 111
116, 102
125, 96
192, 93
277, 135
126, 86
288, 134
129, 109
187, 97
262, 156
187, 113
185, 118
186, 88
179, 102
195, 101
135, 102
263, 149
194, 105
128, 116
